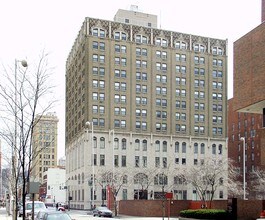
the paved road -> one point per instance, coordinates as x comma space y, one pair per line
82, 215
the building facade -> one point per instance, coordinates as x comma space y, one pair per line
246, 117
44, 147
249, 126
249, 70
54, 180
140, 98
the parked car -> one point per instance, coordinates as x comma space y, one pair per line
56, 215
102, 211
40, 214
38, 206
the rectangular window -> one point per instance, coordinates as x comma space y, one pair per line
137, 161
123, 161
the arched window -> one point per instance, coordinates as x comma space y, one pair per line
184, 147
123, 144
176, 147
196, 148
116, 143
140, 178
213, 149
202, 148
137, 144
164, 146
144, 145
102, 143
95, 142
157, 146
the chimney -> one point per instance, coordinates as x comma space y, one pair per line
263, 11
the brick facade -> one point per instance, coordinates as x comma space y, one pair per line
246, 209
249, 71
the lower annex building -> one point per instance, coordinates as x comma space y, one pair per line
153, 100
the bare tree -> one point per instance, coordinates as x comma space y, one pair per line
258, 181
115, 181
24, 94
143, 180
206, 177
233, 183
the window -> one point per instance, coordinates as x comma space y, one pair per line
123, 144
123, 161
98, 32
213, 149
199, 47
157, 146
202, 148
183, 149
102, 143
137, 161
120, 35
164, 146
144, 145
161, 42
137, 144
141, 39
181, 45
217, 50
144, 161
176, 147
157, 161
102, 160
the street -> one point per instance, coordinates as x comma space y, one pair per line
82, 215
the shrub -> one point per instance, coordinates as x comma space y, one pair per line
204, 213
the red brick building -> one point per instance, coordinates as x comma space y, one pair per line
249, 71
246, 111
248, 125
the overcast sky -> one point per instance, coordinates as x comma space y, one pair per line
29, 26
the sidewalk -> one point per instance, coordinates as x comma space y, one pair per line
3, 214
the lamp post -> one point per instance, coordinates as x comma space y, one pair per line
244, 167
88, 124
14, 148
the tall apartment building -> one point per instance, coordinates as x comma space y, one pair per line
157, 99
44, 147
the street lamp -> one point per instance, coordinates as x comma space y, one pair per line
244, 167
88, 124
14, 155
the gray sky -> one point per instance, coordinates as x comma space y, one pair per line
29, 26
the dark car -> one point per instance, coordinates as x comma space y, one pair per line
102, 211
56, 216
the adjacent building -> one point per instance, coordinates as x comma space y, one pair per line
249, 126
54, 188
44, 146
139, 98
246, 110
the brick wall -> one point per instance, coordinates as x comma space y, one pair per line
246, 209
249, 69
